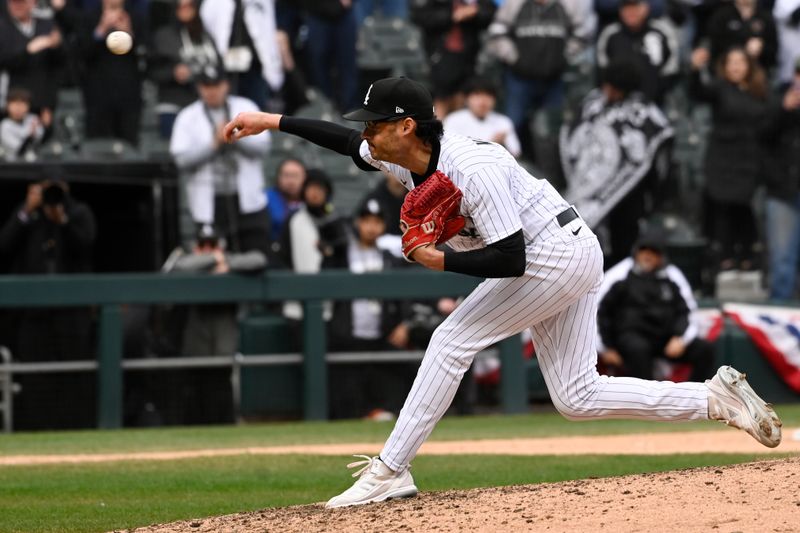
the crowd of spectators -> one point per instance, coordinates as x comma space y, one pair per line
501, 70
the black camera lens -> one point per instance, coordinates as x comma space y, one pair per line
53, 195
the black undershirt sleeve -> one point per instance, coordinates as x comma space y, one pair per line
345, 141
502, 259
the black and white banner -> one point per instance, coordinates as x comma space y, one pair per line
607, 150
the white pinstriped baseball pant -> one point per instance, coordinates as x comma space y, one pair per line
557, 299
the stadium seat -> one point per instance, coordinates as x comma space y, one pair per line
391, 43
109, 149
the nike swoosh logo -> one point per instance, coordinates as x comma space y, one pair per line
577, 231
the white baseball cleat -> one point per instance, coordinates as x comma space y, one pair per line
733, 401
376, 483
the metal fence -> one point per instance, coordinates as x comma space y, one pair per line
110, 292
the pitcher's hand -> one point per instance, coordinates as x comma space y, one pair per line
250, 123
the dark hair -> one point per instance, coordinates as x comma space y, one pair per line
480, 84
283, 162
316, 176
19, 94
623, 75
756, 80
429, 130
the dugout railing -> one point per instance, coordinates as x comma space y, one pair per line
109, 292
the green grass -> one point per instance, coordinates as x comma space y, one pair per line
107, 496
451, 428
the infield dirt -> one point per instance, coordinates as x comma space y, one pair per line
753, 497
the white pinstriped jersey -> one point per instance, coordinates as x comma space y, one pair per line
500, 197
556, 298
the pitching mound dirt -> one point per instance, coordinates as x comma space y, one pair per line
758, 497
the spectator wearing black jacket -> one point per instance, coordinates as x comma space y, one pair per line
179, 53
783, 194
451, 31
744, 24
51, 233
645, 313
367, 325
111, 84
734, 158
30, 54
649, 43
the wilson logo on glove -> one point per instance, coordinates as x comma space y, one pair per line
431, 213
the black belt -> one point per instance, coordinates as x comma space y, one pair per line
566, 216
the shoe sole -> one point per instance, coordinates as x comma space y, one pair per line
769, 423
396, 494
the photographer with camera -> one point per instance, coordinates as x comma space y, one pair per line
213, 329
51, 233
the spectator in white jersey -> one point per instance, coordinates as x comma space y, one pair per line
479, 120
224, 187
544, 266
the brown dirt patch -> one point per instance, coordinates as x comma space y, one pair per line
721, 441
753, 497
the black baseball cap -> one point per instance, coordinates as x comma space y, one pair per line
211, 75
207, 232
655, 239
371, 207
392, 98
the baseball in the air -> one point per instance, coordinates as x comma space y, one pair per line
119, 42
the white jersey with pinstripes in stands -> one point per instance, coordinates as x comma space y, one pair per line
500, 197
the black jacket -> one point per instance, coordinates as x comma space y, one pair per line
654, 50
727, 29
530, 37
109, 77
39, 246
167, 50
37, 73
735, 158
783, 156
648, 304
450, 68
435, 18
340, 327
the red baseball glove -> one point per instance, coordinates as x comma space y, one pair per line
430, 213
